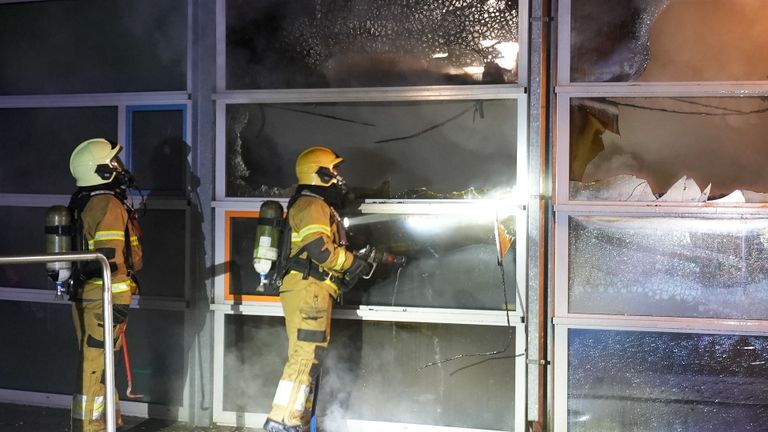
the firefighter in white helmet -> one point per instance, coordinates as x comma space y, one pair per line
106, 224
319, 267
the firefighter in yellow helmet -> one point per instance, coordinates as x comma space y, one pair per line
320, 266
106, 224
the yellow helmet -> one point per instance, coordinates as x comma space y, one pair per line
95, 162
317, 166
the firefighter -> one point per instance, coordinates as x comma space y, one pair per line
105, 223
319, 267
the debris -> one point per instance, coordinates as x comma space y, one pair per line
685, 190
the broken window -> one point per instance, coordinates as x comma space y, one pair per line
353, 43
404, 150
668, 266
668, 40
660, 381
678, 149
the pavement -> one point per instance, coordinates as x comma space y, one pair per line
20, 418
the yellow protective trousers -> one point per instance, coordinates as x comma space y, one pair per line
89, 402
307, 306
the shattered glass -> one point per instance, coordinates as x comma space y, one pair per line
356, 43
665, 266
670, 149
668, 40
657, 381
394, 150
610, 41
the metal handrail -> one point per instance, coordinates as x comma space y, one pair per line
106, 274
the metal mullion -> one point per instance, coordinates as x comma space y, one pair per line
221, 46
560, 376
661, 208
372, 94
561, 150
220, 150
32, 200
561, 264
665, 324
388, 314
523, 41
41, 295
564, 42
218, 367
665, 89
47, 200
219, 252
92, 99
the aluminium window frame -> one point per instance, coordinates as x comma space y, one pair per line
124, 104
564, 207
222, 204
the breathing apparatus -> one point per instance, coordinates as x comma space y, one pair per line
267, 243
97, 168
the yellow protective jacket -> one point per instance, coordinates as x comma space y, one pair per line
315, 226
107, 226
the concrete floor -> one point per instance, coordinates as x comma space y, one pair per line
19, 418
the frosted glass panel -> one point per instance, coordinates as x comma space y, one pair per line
374, 372
677, 267
628, 381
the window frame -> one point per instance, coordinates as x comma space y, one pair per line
564, 207
222, 205
123, 102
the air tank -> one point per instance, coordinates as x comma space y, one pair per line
58, 238
265, 251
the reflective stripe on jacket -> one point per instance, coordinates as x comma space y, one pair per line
105, 223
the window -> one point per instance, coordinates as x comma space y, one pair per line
42, 139
659, 216
312, 44
665, 381
404, 150
93, 47
381, 372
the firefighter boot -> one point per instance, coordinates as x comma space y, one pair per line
275, 426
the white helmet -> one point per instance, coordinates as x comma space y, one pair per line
95, 162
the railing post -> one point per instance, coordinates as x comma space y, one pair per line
106, 274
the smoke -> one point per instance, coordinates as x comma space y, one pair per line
255, 351
709, 40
